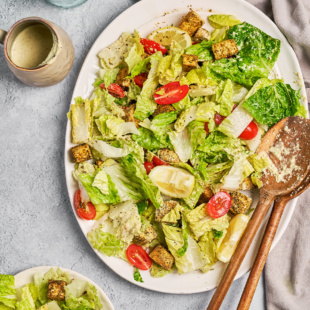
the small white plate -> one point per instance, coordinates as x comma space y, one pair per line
147, 16
26, 277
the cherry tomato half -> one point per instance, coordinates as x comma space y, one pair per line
148, 166
140, 79
218, 118
250, 132
207, 128
151, 47
114, 90
171, 93
86, 211
219, 204
158, 162
138, 257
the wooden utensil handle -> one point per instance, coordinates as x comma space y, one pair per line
262, 254
245, 242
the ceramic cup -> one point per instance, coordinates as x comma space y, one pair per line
58, 62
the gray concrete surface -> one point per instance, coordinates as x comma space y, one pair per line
37, 226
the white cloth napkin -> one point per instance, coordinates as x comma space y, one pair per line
287, 272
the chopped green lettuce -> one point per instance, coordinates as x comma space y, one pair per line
201, 222
7, 291
224, 96
136, 173
192, 259
203, 50
197, 133
221, 20
185, 118
257, 55
220, 34
82, 295
95, 194
272, 103
181, 144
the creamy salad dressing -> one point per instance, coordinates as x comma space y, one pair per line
34, 46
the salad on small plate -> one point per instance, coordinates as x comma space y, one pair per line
50, 288
166, 144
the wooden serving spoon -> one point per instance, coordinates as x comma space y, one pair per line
291, 136
266, 243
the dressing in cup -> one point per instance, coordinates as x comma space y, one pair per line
37, 51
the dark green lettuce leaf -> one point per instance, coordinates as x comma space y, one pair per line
202, 50
257, 55
273, 103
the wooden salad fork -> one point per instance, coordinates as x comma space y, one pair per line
292, 133
266, 243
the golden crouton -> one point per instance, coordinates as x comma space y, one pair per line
162, 257
99, 163
189, 62
81, 153
145, 237
246, 185
166, 108
56, 290
164, 209
129, 112
202, 34
169, 156
224, 49
191, 22
121, 79
206, 195
240, 203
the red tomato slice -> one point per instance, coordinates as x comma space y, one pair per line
148, 166
194, 43
250, 132
219, 205
171, 93
86, 211
140, 79
158, 162
138, 257
151, 47
218, 118
207, 128
114, 90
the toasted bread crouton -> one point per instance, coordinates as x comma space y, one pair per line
240, 203
99, 163
224, 49
206, 195
169, 156
145, 237
121, 79
191, 22
129, 112
165, 108
162, 257
202, 34
81, 153
164, 209
56, 290
246, 185
189, 62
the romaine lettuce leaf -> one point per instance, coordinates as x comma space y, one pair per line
197, 133
133, 58
82, 295
135, 171
147, 140
201, 222
94, 193
224, 96
192, 259
185, 118
7, 291
221, 20
202, 50
181, 144
257, 55
272, 103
